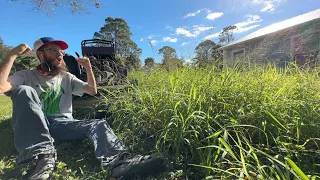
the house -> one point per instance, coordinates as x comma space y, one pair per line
296, 39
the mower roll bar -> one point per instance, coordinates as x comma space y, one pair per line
97, 47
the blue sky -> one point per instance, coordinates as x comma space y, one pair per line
181, 24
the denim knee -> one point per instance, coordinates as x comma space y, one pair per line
24, 91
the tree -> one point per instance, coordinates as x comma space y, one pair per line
167, 53
24, 62
217, 56
204, 51
3, 49
149, 62
48, 6
118, 31
170, 60
207, 53
133, 61
226, 36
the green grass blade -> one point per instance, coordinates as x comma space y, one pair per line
229, 150
276, 120
296, 169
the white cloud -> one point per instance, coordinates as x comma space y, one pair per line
153, 42
169, 27
268, 8
185, 43
252, 20
258, 1
188, 61
207, 10
141, 39
169, 39
214, 15
251, 17
250, 23
212, 36
192, 14
185, 32
197, 29
244, 29
201, 28
268, 5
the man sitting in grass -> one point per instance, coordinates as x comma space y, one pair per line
42, 112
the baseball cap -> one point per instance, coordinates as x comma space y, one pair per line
46, 40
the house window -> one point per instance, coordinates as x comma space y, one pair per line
238, 54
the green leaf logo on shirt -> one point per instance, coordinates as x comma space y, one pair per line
51, 100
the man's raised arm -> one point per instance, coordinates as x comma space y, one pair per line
91, 88
6, 65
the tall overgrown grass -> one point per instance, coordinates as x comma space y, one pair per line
250, 122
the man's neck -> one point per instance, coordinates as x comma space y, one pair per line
41, 70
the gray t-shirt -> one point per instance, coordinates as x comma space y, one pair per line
55, 93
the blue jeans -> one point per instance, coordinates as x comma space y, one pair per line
34, 133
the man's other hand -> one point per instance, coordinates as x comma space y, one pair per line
85, 62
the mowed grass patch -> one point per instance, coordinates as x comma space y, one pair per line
5, 107
6, 134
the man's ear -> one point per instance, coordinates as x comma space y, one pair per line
39, 55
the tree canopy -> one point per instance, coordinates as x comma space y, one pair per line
207, 54
167, 53
170, 60
149, 62
49, 6
4, 49
226, 36
118, 31
22, 62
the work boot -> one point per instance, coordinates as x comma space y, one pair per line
126, 166
44, 165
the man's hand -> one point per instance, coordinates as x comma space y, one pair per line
85, 62
6, 65
19, 50
91, 87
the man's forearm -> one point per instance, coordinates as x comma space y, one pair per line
5, 68
6, 65
91, 81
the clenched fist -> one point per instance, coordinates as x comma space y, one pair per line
20, 49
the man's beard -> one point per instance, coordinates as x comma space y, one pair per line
52, 69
